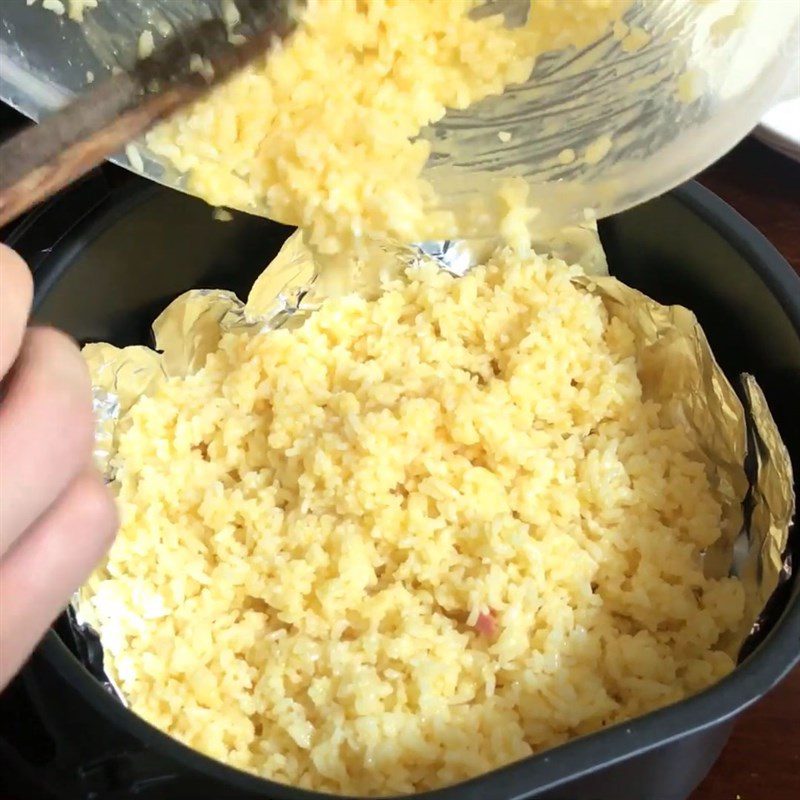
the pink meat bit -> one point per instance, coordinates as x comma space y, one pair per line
486, 625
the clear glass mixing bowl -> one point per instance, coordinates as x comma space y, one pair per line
663, 111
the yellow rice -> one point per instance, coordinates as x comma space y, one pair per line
318, 524
319, 133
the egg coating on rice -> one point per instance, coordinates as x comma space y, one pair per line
420, 536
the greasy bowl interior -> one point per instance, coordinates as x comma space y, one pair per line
106, 262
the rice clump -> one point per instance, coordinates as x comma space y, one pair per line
416, 538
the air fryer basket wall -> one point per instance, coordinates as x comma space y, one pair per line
107, 260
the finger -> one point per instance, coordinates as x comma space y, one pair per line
16, 292
46, 429
47, 564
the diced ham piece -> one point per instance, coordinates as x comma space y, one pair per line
486, 625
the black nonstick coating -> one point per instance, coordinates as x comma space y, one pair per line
107, 260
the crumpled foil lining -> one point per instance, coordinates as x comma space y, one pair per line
765, 562
676, 367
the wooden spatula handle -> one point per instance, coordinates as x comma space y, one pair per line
44, 158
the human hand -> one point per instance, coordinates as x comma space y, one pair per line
57, 518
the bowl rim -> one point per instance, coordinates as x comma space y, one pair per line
759, 672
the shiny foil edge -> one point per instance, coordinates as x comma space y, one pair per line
772, 502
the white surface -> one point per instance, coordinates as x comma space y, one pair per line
780, 126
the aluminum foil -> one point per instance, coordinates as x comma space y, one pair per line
676, 367
765, 562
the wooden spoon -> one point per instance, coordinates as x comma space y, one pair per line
44, 158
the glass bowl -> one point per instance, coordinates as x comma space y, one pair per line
593, 132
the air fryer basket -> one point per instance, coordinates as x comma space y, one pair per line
107, 259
